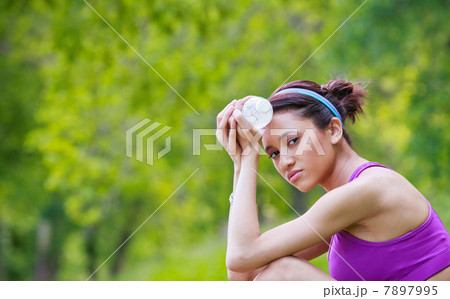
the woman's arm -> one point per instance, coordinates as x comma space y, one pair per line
237, 171
307, 254
333, 212
314, 251
249, 275
243, 223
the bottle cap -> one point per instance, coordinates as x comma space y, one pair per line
258, 111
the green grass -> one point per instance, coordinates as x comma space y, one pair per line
200, 262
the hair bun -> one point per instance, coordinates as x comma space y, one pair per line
350, 95
339, 88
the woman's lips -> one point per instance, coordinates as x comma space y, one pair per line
294, 175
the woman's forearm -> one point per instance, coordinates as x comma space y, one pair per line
237, 170
243, 224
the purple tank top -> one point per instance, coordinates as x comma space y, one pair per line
416, 255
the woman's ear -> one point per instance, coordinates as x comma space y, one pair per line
335, 129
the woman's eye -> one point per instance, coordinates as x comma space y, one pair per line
293, 141
273, 155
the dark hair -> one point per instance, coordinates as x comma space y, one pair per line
347, 97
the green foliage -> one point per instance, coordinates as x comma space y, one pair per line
72, 87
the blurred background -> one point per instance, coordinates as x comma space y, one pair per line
70, 89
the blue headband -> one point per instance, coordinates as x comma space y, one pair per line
313, 95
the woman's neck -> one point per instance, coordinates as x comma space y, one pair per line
346, 162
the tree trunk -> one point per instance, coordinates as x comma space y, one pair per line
120, 255
299, 201
43, 269
2, 253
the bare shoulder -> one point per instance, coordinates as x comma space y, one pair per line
401, 207
381, 182
391, 188
382, 176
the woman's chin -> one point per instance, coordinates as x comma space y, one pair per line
302, 186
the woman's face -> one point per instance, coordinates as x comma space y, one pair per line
302, 153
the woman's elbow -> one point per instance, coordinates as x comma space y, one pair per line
232, 265
237, 264
237, 276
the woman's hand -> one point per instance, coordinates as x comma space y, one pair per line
248, 136
238, 136
226, 133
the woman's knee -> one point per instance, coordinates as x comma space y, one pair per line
286, 263
292, 268
279, 268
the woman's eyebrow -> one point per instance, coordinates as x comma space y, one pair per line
284, 134
268, 148
292, 131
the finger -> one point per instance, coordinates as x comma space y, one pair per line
242, 101
219, 136
244, 126
230, 120
221, 113
222, 128
241, 120
233, 123
220, 132
225, 117
232, 141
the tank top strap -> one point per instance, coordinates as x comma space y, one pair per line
363, 167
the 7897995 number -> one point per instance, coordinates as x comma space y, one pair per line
410, 290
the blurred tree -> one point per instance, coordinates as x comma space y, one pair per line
72, 87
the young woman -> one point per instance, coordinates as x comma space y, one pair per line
374, 224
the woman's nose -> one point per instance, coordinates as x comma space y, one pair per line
287, 161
